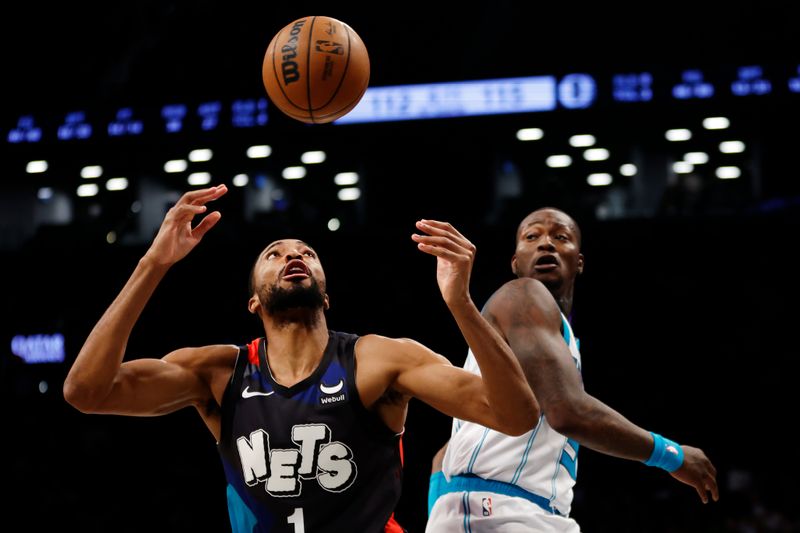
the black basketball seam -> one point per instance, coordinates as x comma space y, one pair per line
352, 104
308, 69
277, 79
346, 66
355, 101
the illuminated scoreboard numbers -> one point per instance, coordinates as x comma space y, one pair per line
125, 124
75, 127
424, 101
209, 115
26, 131
387, 101
248, 113
577, 91
693, 85
173, 115
794, 83
751, 81
456, 99
633, 87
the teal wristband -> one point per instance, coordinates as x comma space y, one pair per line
666, 454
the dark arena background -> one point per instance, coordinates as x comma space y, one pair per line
669, 131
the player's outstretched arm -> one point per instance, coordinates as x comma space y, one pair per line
506, 386
528, 316
96, 382
414, 371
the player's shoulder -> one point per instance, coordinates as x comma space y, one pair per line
373, 343
522, 292
400, 350
522, 301
204, 357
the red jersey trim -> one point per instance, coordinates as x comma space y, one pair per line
252, 352
393, 527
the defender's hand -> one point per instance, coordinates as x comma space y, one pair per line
176, 237
454, 258
698, 472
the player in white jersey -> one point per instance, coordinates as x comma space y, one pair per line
492, 482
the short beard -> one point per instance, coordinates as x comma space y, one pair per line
293, 305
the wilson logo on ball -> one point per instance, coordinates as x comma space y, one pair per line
289, 51
316, 87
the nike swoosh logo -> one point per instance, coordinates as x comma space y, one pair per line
331, 390
247, 393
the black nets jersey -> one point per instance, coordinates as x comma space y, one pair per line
308, 458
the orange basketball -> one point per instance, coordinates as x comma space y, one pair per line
316, 69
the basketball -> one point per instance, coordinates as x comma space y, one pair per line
316, 69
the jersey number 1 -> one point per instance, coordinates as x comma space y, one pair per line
296, 519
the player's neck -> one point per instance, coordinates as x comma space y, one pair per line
294, 350
564, 300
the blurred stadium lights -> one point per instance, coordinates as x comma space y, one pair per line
643, 149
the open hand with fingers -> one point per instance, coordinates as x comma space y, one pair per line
455, 255
176, 237
698, 472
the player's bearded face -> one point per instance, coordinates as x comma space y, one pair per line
277, 299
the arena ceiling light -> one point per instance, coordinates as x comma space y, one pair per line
716, 123
312, 157
259, 151
200, 155
349, 194
36, 167
344, 179
731, 147
596, 154
91, 171
530, 134
696, 158
582, 141
728, 173
199, 178
117, 184
678, 135
294, 173
559, 161
599, 179
87, 190
175, 166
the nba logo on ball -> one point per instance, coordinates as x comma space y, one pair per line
316, 69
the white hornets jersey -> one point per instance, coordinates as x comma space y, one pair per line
542, 461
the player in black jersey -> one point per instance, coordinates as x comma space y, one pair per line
307, 420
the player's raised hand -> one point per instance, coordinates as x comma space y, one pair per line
454, 258
698, 472
177, 237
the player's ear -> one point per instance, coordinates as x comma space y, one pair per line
253, 304
326, 303
514, 264
580, 263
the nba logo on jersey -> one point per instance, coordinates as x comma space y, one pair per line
486, 504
